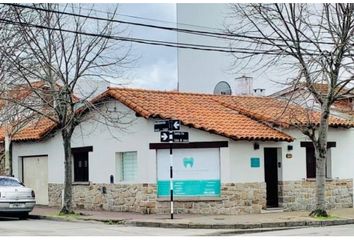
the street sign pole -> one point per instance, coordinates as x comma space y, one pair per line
169, 133
171, 171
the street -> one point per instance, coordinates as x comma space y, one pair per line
342, 230
31, 227
34, 227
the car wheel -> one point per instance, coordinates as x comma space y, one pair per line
23, 216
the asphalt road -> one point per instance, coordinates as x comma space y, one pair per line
342, 230
34, 227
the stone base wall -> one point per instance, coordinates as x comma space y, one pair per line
301, 195
236, 198
114, 197
2, 164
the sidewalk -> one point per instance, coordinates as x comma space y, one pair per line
251, 221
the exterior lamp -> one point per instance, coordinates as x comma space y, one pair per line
255, 146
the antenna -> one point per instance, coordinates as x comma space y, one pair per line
222, 88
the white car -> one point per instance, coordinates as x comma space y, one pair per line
15, 198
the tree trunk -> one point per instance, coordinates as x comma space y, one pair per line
67, 205
321, 158
8, 155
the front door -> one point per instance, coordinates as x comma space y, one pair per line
81, 167
271, 176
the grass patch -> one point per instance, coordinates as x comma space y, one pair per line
72, 216
113, 222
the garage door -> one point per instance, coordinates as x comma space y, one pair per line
35, 176
196, 172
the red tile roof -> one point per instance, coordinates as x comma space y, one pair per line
38, 128
201, 111
35, 130
236, 117
320, 88
278, 112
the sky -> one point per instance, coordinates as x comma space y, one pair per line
156, 67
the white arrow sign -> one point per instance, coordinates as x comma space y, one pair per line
164, 136
176, 125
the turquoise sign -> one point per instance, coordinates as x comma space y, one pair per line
255, 162
188, 162
189, 188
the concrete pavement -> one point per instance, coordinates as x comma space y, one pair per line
263, 221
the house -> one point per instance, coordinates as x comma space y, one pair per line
300, 94
245, 154
17, 121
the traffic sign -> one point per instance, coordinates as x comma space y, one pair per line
166, 136
174, 125
169, 136
161, 125
180, 137
164, 125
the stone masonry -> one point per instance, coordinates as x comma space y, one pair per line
300, 195
2, 165
236, 198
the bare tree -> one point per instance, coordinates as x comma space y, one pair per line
314, 41
63, 51
13, 118
10, 122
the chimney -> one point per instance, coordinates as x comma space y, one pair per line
244, 85
259, 92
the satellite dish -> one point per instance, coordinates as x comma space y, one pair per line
222, 88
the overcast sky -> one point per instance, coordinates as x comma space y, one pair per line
156, 67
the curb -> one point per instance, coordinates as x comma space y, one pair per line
244, 228
63, 219
268, 225
250, 231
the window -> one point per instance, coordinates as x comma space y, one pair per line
311, 162
196, 173
126, 166
9, 182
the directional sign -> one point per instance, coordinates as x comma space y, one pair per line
174, 125
164, 125
169, 136
161, 125
166, 136
180, 137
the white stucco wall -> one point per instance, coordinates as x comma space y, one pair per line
342, 156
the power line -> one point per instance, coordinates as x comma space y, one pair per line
182, 30
148, 41
149, 19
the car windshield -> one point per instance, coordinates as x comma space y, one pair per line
9, 182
